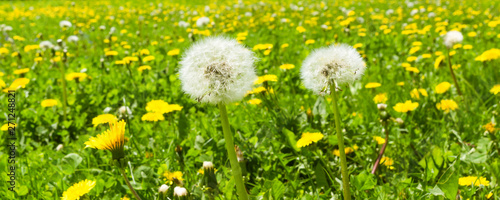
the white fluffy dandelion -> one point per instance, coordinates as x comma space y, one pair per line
65, 24
202, 21
73, 38
46, 45
163, 188
339, 63
183, 24
452, 37
180, 191
217, 69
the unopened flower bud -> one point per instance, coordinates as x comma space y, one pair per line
180, 191
163, 188
208, 165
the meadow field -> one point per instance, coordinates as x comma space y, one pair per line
104, 100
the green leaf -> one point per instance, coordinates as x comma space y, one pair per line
436, 191
291, 139
320, 176
278, 189
364, 181
22, 190
70, 162
449, 183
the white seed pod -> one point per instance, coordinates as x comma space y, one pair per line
340, 63
73, 38
180, 191
217, 70
452, 37
202, 21
163, 188
46, 45
65, 24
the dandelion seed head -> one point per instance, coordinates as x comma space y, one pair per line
202, 21
73, 38
339, 63
65, 24
452, 37
180, 191
217, 69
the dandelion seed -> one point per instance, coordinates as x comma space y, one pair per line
339, 63
217, 69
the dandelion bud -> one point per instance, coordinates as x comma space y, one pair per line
217, 70
336, 63
59, 147
59, 42
180, 191
452, 37
207, 165
163, 188
381, 106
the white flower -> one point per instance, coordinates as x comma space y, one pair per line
7, 28
59, 147
208, 165
431, 15
65, 24
183, 24
381, 106
248, 14
324, 26
46, 45
207, 8
73, 38
452, 37
217, 69
102, 27
413, 12
202, 21
180, 191
389, 12
124, 111
163, 188
339, 63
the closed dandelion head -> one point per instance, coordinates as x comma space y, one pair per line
217, 70
452, 37
112, 139
336, 63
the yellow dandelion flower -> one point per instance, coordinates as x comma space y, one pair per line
447, 105
104, 118
284, 45
268, 77
473, 180
172, 176
411, 58
112, 139
488, 55
254, 101
49, 103
442, 87
148, 58
400, 83
160, 106
144, 52
174, 52
406, 106
414, 94
490, 127
111, 53
22, 71
77, 190
153, 117
423, 92
79, 76
373, 85
308, 138
380, 140
467, 46
300, 29
287, 66
438, 61
125, 198
5, 127
347, 150
387, 162
310, 41
380, 98
358, 45
144, 67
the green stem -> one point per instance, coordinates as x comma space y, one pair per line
128, 184
340, 137
235, 167
453, 74
63, 79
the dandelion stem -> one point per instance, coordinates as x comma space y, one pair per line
65, 101
453, 74
382, 150
128, 184
235, 167
340, 137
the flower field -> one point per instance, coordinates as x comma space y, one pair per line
250, 99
